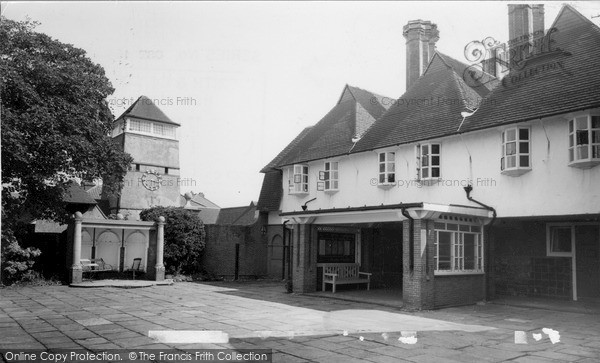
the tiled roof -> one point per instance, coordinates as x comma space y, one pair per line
75, 194
95, 192
286, 150
271, 192
145, 109
553, 89
239, 216
430, 108
200, 200
372, 102
481, 82
209, 215
333, 134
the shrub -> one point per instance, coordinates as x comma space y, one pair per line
184, 238
17, 262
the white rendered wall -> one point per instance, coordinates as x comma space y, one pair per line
551, 188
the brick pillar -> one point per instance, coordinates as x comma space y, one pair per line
418, 285
304, 258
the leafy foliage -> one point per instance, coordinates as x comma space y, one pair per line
17, 262
184, 238
55, 124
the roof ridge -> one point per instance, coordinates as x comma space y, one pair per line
145, 109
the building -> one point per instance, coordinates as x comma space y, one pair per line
207, 210
480, 180
150, 137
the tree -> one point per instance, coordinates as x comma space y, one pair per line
55, 124
184, 237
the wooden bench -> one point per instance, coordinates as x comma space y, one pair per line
95, 265
344, 273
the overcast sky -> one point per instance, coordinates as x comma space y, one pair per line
244, 78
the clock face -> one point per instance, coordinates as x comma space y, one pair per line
151, 180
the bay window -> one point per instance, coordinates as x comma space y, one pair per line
516, 151
584, 141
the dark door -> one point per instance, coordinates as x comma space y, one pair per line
587, 254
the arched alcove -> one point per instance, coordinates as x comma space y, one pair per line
108, 247
86, 245
136, 246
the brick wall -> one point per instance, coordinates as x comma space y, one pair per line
520, 265
551, 276
458, 290
219, 254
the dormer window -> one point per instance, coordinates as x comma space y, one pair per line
331, 176
387, 168
584, 141
428, 156
516, 151
298, 179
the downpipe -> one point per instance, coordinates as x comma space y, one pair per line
468, 189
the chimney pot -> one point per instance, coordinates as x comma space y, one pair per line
525, 24
421, 36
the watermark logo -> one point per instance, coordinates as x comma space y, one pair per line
432, 101
508, 61
437, 182
165, 101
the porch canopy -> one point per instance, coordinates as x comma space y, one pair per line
118, 243
385, 213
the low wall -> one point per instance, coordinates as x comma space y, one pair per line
458, 290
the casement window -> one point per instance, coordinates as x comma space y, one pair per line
331, 176
152, 128
584, 141
516, 151
559, 239
336, 247
428, 157
140, 126
163, 130
387, 168
298, 179
458, 247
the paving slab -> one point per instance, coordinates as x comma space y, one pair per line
298, 328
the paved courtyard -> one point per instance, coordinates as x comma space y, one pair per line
298, 328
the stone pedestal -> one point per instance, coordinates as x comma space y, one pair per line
76, 272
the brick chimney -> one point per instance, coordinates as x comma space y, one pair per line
525, 25
421, 37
